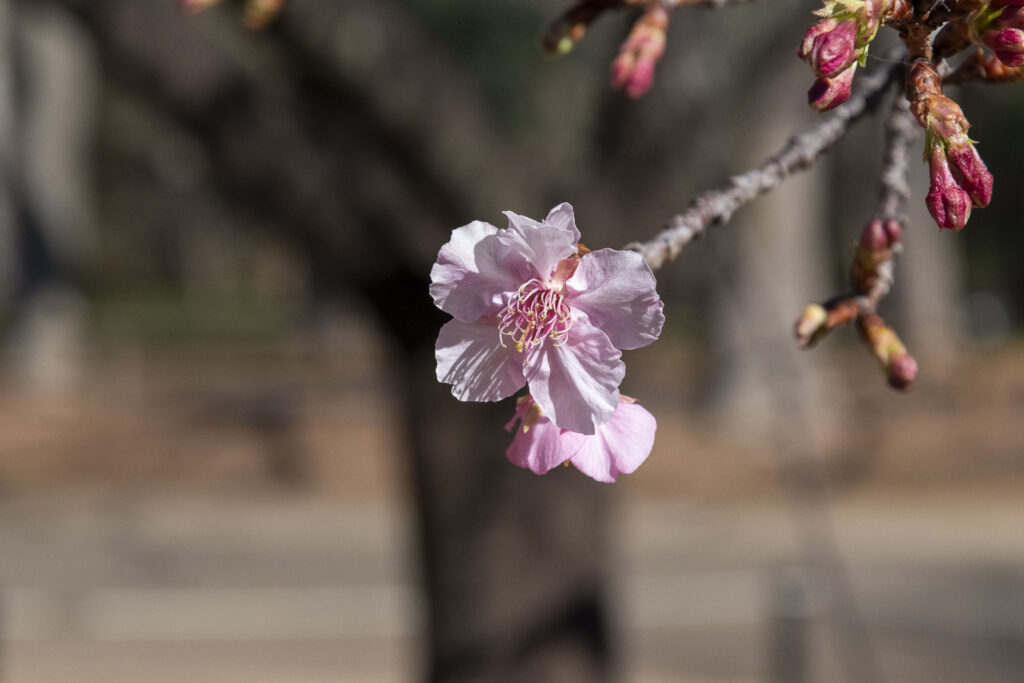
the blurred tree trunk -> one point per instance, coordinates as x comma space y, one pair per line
7, 165
55, 136
513, 564
773, 262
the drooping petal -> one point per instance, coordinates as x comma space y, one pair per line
473, 270
616, 289
542, 445
576, 383
620, 446
471, 358
543, 244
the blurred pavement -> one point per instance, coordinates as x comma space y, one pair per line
289, 588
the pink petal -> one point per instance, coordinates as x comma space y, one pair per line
620, 446
543, 447
471, 359
563, 216
616, 289
543, 245
576, 383
473, 270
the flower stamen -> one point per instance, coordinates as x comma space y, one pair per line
535, 313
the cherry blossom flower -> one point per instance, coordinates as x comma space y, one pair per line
531, 307
619, 446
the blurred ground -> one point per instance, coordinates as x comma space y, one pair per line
192, 517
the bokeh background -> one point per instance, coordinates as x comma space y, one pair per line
223, 454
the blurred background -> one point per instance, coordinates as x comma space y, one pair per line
223, 453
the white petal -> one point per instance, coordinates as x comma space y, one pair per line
471, 359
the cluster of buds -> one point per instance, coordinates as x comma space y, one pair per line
871, 272
836, 46
959, 178
871, 278
258, 13
1000, 26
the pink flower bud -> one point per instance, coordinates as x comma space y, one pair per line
974, 176
873, 10
874, 236
633, 69
945, 119
642, 79
828, 93
948, 203
813, 33
1007, 43
622, 69
893, 231
899, 366
831, 51
902, 371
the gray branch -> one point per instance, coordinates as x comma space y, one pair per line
801, 151
900, 134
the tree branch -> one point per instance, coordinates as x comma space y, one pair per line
872, 273
900, 133
800, 153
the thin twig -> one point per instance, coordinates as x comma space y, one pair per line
985, 69
800, 153
872, 273
900, 133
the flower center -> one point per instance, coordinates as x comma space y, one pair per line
534, 313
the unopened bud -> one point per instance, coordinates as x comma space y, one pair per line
828, 93
873, 10
948, 203
633, 69
902, 371
873, 250
822, 28
893, 231
1001, 29
642, 78
818, 320
829, 47
1008, 43
810, 327
874, 237
561, 37
945, 120
974, 175
899, 366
